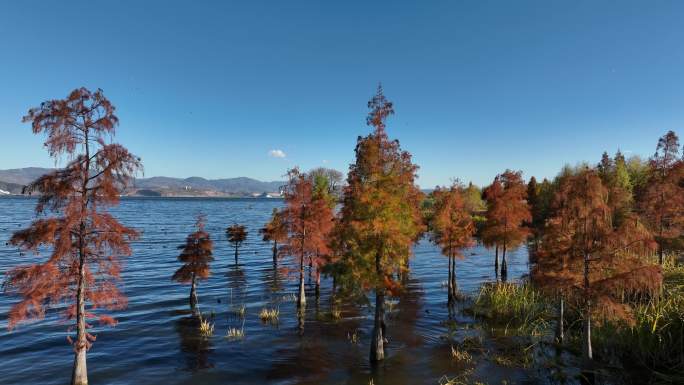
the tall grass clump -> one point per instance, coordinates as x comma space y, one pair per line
515, 306
654, 339
269, 315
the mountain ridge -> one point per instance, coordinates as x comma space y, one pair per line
163, 185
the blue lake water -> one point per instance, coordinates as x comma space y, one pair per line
157, 342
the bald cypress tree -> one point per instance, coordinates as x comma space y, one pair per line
380, 218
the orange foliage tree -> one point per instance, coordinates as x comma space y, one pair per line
507, 214
380, 218
84, 239
236, 235
275, 231
585, 258
309, 221
195, 256
452, 228
662, 203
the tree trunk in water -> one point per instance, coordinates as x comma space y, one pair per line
301, 303
587, 354
79, 376
496, 262
275, 253
454, 287
236, 254
504, 266
193, 293
560, 330
318, 284
450, 297
377, 350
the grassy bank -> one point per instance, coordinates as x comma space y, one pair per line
648, 349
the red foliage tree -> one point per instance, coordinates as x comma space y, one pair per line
453, 229
85, 241
662, 203
380, 218
585, 258
236, 235
507, 214
275, 231
309, 221
195, 256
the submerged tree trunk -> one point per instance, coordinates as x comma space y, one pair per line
377, 350
560, 329
504, 265
496, 262
275, 253
301, 302
193, 293
79, 375
236, 254
454, 286
450, 298
587, 354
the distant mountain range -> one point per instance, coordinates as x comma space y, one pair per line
13, 180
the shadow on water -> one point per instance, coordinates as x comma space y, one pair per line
195, 348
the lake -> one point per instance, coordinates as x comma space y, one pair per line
157, 342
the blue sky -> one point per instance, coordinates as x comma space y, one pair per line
210, 88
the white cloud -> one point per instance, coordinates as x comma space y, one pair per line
276, 154
325, 161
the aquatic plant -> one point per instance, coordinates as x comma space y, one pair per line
235, 333
240, 310
353, 336
461, 356
269, 315
516, 307
206, 328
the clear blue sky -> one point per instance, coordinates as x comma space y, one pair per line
209, 88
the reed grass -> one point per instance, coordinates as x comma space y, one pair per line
269, 315
654, 340
235, 333
240, 311
519, 308
353, 336
460, 356
206, 328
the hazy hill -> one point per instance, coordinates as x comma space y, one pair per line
159, 185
